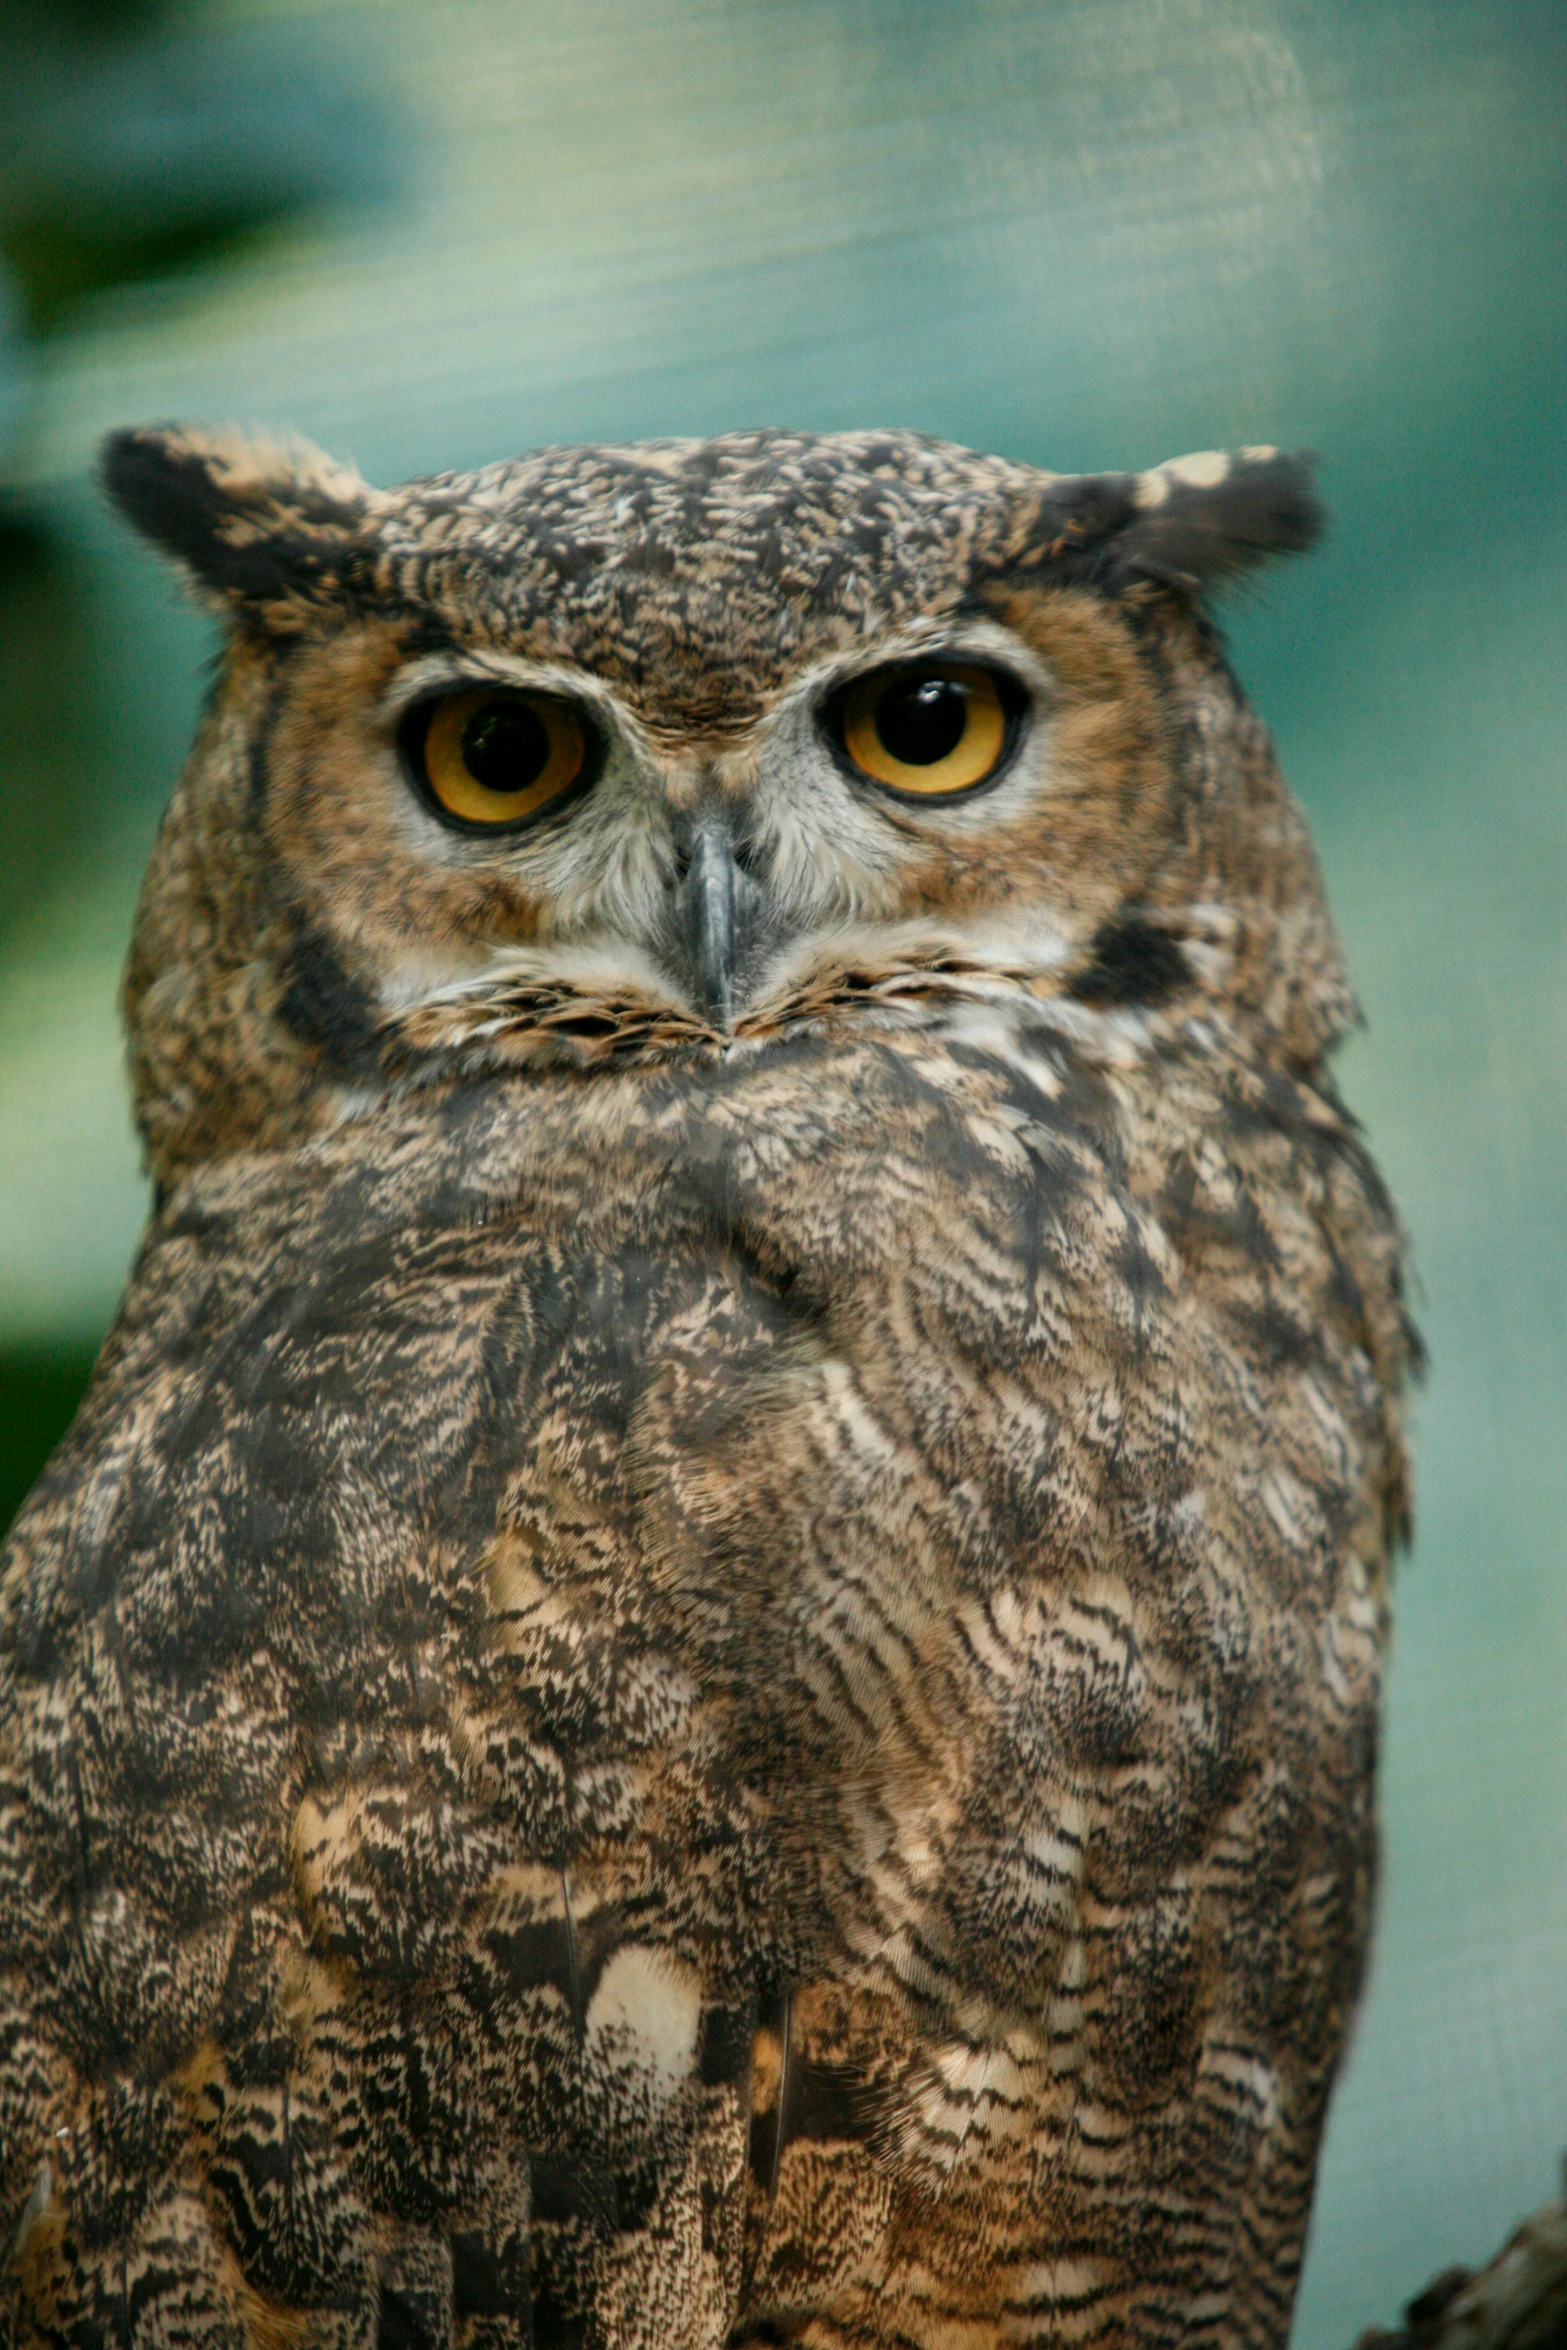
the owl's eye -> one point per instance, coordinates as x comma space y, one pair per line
928, 732
489, 760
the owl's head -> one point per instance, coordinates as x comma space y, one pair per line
620, 753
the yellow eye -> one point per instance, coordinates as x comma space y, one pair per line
931, 731
490, 758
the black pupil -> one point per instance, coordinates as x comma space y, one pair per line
505, 746
922, 719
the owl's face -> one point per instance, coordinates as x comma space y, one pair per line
445, 815
647, 750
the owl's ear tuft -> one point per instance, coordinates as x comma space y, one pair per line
265, 529
1197, 522
1188, 526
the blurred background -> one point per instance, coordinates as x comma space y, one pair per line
1089, 233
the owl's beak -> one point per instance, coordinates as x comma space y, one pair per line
716, 922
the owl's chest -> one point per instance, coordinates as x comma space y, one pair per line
1001, 1472
948, 1491
880, 1551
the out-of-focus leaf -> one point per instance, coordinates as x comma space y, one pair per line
42, 746
40, 1388
73, 19
16, 361
143, 158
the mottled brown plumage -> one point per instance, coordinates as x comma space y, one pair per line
704, 1667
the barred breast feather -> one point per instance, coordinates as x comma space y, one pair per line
676, 1706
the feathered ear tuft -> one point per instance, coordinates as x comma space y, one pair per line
1199, 521
1190, 525
268, 530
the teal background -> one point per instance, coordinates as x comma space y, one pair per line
1086, 232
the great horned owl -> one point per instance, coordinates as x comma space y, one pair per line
704, 1667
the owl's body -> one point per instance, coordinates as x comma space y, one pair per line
705, 1665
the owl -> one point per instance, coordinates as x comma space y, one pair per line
704, 1667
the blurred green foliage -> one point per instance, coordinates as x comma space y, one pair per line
139, 143
40, 1389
